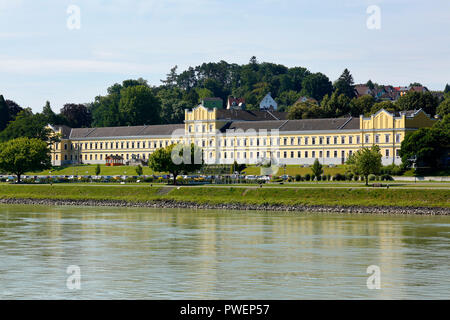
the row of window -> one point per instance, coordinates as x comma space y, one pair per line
115, 145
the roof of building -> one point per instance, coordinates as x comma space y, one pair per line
65, 130
297, 125
247, 115
135, 131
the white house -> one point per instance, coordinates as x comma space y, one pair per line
268, 103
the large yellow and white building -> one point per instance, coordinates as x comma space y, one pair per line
227, 135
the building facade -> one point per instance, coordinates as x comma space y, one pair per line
252, 137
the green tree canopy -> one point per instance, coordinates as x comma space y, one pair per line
316, 86
4, 113
418, 100
428, 145
345, 84
138, 106
176, 159
22, 155
317, 169
27, 125
444, 108
366, 161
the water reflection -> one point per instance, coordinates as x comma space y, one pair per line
177, 254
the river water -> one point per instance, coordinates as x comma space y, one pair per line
186, 254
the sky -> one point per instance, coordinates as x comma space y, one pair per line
45, 56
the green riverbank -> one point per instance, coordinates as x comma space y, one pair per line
361, 197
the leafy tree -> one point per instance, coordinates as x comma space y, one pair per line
27, 125
204, 93
304, 110
172, 105
335, 106
370, 84
22, 155
345, 84
76, 115
316, 86
415, 84
4, 113
418, 100
429, 145
361, 105
138, 106
49, 115
14, 109
317, 169
139, 170
173, 159
444, 108
366, 161
97, 170
236, 167
288, 98
447, 88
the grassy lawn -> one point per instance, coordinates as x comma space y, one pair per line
89, 170
287, 196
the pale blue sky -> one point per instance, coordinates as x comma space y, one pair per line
41, 59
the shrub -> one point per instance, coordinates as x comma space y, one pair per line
338, 177
298, 177
372, 177
319, 178
329, 177
356, 178
324, 178
308, 177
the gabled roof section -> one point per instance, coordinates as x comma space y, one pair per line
135, 131
247, 115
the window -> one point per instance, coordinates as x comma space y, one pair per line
377, 138
397, 138
397, 153
65, 157
203, 128
285, 141
314, 140
366, 138
65, 147
292, 141
335, 139
56, 157
313, 154
299, 154
387, 153
190, 129
358, 140
335, 154
299, 141
292, 154
320, 154
306, 142
386, 138
350, 140
210, 128
285, 154
328, 140
306, 154
342, 140
320, 140
328, 154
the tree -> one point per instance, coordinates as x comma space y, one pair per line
317, 169
22, 155
429, 145
444, 108
76, 115
14, 109
366, 161
97, 170
345, 85
336, 106
386, 105
139, 106
304, 110
316, 86
27, 125
418, 100
49, 115
362, 105
447, 88
176, 158
236, 167
4, 113
139, 170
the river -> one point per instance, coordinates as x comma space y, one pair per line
129, 253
